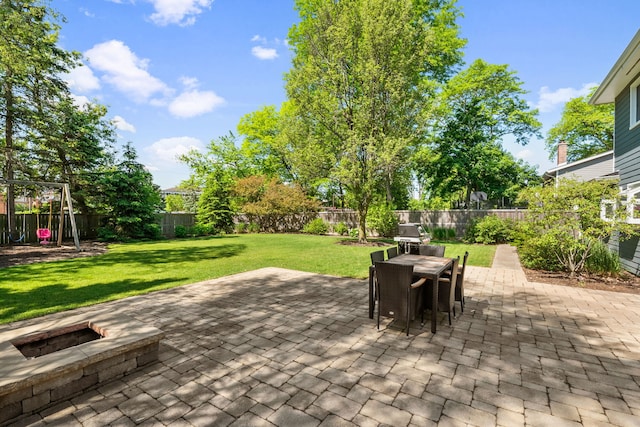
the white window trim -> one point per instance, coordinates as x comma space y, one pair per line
632, 201
603, 209
634, 114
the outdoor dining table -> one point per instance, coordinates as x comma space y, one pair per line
430, 267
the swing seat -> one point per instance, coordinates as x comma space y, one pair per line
44, 234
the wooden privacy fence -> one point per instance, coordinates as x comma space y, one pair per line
88, 224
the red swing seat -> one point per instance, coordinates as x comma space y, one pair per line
44, 234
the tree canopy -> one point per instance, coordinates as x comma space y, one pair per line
477, 108
359, 89
587, 129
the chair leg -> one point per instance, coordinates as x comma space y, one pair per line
449, 318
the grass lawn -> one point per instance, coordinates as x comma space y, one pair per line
131, 269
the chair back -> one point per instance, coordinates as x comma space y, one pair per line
451, 297
432, 250
377, 256
392, 252
394, 282
460, 281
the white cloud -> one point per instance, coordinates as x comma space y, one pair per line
264, 53
80, 100
168, 149
189, 82
259, 38
180, 12
194, 103
121, 124
548, 100
82, 79
524, 154
125, 71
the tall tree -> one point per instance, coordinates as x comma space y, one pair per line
131, 198
478, 107
587, 129
31, 65
363, 72
75, 150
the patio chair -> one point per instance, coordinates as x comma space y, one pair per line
398, 296
432, 250
460, 282
446, 291
392, 252
377, 256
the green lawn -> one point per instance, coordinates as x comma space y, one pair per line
131, 269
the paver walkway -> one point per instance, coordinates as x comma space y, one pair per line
287, 348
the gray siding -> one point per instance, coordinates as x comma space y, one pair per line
629, 252
627, 142
586, 171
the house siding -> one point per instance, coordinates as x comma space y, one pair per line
627, 142
629, 252
586, 171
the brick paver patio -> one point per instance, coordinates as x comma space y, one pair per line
287, 348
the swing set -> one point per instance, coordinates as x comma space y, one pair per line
44, 234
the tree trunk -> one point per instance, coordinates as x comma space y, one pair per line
9, 175
362, 221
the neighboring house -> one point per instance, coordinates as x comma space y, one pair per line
599, 166
622, 87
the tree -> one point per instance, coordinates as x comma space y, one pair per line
214, 205
587, 129
478, 107
272, 205
131, 198
264, 144
75, 150
565, 220
31, 65
363, 72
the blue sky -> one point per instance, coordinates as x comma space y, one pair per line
176, 74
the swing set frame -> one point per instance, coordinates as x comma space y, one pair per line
65, 197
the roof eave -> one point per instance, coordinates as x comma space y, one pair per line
620, 75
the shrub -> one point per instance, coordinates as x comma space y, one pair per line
490, 229
383, 219
602, 260
152, 231
353, 233
253, 227
341, 228
316, 226
180, 231
443, 233
537, 253
203, 230
241, 227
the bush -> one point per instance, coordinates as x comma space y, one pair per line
180, 231
443, 233
316, 226
602, 260
341, 228
152, 231
241, 227
353, 233
538, 253
203, 230
383, 219
253, 227
490, 230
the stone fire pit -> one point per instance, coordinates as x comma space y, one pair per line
51, 361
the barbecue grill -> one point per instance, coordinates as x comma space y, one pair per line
410, 237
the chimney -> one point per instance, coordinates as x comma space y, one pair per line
562, 153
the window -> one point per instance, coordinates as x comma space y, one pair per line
608, 210
634, 119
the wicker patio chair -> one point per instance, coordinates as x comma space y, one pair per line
460, 282
432, 250
392, 252
446, 291
398, 296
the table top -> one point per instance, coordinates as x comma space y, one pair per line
423, 266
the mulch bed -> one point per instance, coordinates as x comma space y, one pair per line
29, 254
